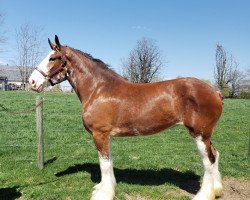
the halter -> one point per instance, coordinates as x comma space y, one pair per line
54, 72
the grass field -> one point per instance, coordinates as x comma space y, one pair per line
154, 167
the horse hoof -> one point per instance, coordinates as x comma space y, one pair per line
218, 191
102, 196
102, 193
202, 196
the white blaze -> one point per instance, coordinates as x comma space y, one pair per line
37, 80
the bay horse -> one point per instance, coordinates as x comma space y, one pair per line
115, 107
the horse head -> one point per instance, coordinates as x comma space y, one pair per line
52, 69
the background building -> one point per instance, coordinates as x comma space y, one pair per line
10, 78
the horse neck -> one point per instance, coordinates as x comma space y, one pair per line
86, 76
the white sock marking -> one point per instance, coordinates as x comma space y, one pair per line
207, 186
105, 190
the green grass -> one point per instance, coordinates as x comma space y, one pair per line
149, 167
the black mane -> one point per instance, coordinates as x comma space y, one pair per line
90, 57
101, 64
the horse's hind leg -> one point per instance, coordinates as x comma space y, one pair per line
211, 184
105, 190
217, 177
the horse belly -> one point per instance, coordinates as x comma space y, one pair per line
147, 124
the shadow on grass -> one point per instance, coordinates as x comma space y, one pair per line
50, 161
187, 181
10, 193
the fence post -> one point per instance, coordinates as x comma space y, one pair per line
39, 128
249, 147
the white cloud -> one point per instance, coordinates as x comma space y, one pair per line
139, 27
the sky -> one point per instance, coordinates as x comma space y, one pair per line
186, 31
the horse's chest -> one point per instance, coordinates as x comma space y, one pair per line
98, 118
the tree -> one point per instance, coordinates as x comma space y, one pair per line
28, 50
143, 63
2, 32
244, 91
245, 83
227, 76
235, 82
223, 68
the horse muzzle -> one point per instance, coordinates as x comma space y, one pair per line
37, 82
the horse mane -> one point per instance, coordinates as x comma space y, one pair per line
99, 62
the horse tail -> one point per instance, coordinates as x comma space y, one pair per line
220, 95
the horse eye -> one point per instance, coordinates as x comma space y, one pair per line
52, 59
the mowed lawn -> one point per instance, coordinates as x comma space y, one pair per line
161, 166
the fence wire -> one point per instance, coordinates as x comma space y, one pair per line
31, 110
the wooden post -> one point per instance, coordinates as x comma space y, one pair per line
3, 85
249, 147
39, 128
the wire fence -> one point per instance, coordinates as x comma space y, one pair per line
51, 111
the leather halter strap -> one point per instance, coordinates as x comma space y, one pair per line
54, 72
41, 72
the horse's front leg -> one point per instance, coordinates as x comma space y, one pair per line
105, 190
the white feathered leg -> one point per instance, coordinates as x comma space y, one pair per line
105, 190
206, 191
218, 188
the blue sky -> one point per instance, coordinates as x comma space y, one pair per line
186, 31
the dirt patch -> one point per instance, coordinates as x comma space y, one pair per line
236, 190
233, 190
136, 197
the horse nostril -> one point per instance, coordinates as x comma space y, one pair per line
33, 83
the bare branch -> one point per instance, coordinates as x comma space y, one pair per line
143, 63
226, 72
223, 68
3, 37
28, 50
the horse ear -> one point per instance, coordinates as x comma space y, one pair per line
52, 46
58, 45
